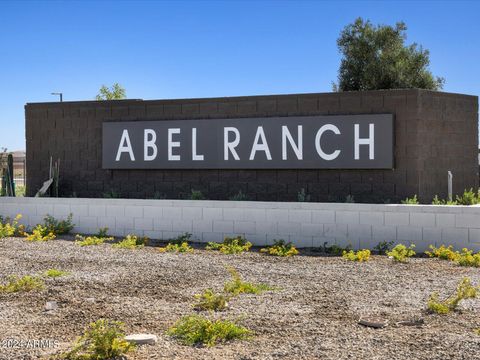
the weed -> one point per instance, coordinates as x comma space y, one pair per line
240, 196
238, 286
185, 237
234, 245
442, 252
401, 253
383, 246
90, 240
360, 255
469, 197
280, 248
131, 242
437, 201
111, 194
209, 300
350, 199
102, 232
178, 248
24, 284
467, 258
335, 249
302, 196
10, 227
197, 195
102, 339
195, 330
465, 290
54, 273
411, 201
40, 233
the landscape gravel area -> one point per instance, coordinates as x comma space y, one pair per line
312, 314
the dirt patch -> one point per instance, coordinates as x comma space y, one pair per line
313, 314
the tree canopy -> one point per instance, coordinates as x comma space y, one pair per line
376, 57
116, 92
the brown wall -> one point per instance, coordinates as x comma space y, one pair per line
434, 132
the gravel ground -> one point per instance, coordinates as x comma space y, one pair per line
313, 315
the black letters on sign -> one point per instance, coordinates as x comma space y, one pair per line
296, 142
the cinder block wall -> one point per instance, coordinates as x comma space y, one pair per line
362, 226
434, 132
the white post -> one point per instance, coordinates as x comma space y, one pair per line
450, 181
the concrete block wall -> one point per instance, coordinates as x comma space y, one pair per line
305, 224
434, 132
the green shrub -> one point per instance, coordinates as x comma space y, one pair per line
54, 273
24, 284
40, 233
238, 286
383, 246
197, 195
209, 300
177, 248
196, 330
102, 233
185, 237
131, 242
442, 252
90, 240
360, 255
58, 227
437, 201
102, 339
411, 201
465, 290
467, 258
234, 245
401, 253
9, 228
280, 248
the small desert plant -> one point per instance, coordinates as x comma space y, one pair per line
401, 253
102, 233
89, 240
196, 195
196, 330
442, 252
234, 245
383, 246
40, 233
185, 237
302, 196
240, 196
280, 248
102, 339
360, 255
10, 227
335, 249
469, 197
131, 242
238, 286
467, 258
437, 201
24, 284
178, 248
465, 290
58, 227
209, 300
111, 194
54, 273
350, 199
411, 201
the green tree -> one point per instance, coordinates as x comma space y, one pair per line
116, 92
376, 57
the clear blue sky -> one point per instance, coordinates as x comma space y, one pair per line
186, 49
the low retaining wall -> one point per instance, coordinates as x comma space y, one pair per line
305, 224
